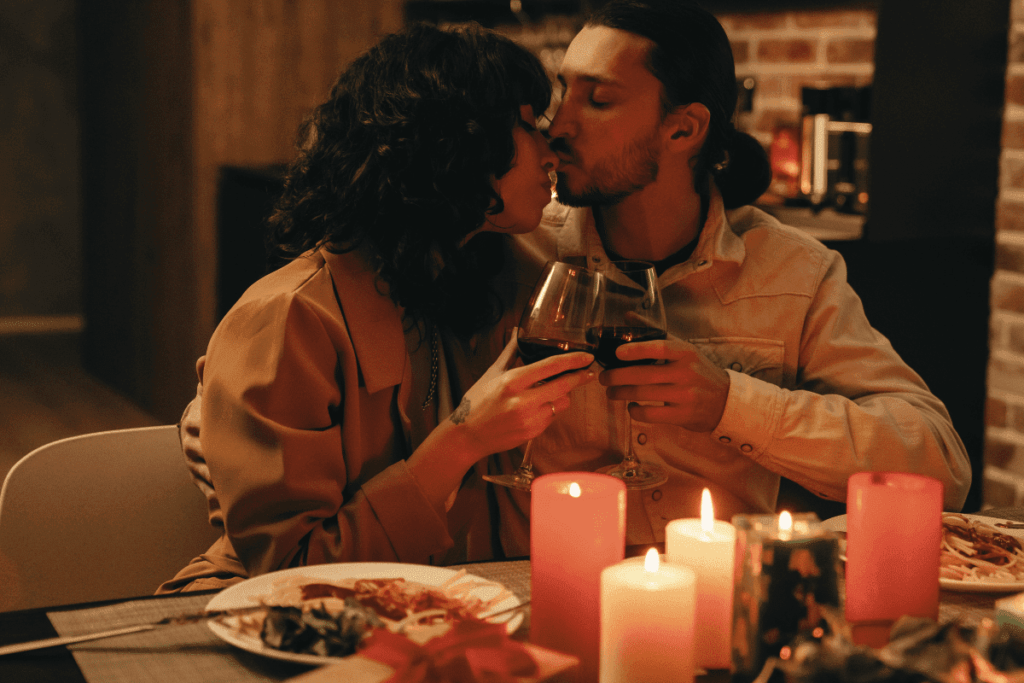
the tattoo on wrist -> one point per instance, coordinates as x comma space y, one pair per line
461, 413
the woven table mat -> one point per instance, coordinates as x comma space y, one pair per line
192, 653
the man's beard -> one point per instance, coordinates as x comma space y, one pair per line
612, 180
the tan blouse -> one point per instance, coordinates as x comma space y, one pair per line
310, 410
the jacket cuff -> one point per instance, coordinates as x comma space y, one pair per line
414, 527
752, 412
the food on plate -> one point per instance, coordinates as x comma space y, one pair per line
332, 618
317, 631
978, 552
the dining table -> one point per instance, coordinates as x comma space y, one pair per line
192, 653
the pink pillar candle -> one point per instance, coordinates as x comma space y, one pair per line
710, 553
893, 540
577, 528
647, 622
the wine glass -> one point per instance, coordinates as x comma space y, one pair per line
632, 310
557, 320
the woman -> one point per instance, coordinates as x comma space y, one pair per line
327, 389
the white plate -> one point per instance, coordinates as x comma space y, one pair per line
838, 523
250, 592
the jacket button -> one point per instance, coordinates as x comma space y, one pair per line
724, 439
737, 367
746, 448
641, 439
656, 495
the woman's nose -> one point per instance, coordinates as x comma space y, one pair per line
548, 159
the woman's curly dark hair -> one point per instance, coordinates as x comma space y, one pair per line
401, 157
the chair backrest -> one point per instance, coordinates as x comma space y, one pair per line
99, 516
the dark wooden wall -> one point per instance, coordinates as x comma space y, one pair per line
170, 94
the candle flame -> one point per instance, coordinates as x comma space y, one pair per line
651, 560
574, 490
785, 521
707, 513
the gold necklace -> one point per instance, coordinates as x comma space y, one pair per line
435, 356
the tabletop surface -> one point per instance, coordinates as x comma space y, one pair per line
183, 654
177, 654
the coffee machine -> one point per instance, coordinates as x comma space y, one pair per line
835, 135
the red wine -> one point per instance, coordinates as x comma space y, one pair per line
533, 349
611, 338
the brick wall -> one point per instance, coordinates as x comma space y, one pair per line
784, 52
1004, 419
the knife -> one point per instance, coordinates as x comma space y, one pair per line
166, 621
138, 628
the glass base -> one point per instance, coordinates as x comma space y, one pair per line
519, 480
637, 475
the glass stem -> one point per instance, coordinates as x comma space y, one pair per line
525, 468
630, 463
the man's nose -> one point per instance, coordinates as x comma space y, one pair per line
563, 125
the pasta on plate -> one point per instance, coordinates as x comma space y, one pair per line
974, 551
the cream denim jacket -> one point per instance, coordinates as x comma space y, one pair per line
816, 392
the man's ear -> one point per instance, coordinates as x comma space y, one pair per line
688, 126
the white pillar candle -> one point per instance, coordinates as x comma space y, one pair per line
647, 614
708, 547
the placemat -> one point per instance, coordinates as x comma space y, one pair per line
192, 653
967, 608
515, 576
176, 654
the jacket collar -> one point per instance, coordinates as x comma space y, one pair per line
374, 322
722, 243
578, 236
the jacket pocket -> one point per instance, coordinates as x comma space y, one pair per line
760, 358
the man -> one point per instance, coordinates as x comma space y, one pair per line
771, 368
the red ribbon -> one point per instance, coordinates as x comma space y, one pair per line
472, 651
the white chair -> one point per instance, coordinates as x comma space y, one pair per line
99, 516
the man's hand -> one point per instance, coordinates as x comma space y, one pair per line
692, 389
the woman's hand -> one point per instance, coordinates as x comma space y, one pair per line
506, 407
510, 405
